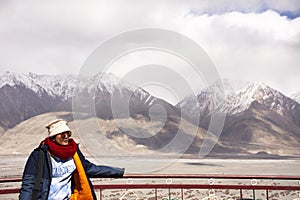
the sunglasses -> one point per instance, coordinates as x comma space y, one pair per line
69, 133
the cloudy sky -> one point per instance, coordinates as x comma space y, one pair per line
257, 41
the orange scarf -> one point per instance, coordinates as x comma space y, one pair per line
82, 190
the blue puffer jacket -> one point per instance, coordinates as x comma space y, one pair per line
30, 171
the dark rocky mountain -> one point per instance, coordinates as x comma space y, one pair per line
112, 98
103, 95
19, 102
258, 118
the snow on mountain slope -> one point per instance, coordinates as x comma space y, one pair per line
59, 85
256, 114
222, 97
241, 100
14, 79
31, 94
296, 97
64, 86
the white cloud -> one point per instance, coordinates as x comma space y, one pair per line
253, 47
244, 39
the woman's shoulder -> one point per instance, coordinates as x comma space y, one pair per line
37, 150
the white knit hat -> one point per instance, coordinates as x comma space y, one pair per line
57, 126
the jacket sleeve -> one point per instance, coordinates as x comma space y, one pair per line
100, 171
28, 178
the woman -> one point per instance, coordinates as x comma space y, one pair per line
61, 168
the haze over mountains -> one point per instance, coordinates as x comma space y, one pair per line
258, 120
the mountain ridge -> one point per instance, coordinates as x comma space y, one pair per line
61, 93
257, 116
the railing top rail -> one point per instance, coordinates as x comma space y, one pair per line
195, 186
217, 176
13, 179
182, 185
188, 176
178, 186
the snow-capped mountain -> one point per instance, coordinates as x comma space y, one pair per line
22, 97
64, 86
222, 97
274, 100
255, 113
26, 95
13, 80
60, 86
213, 97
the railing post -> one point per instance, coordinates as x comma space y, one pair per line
181, 193
241, 193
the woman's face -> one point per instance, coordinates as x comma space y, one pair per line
63, 138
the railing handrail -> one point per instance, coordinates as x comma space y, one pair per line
195, 186
187, 176
13, 179
219, 176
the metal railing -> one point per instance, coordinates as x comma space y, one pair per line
211, 186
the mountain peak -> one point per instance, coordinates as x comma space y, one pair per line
63, 86
8, 78
14, 79
240, 97
260, 90
256, 91
31, 94
261, 93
